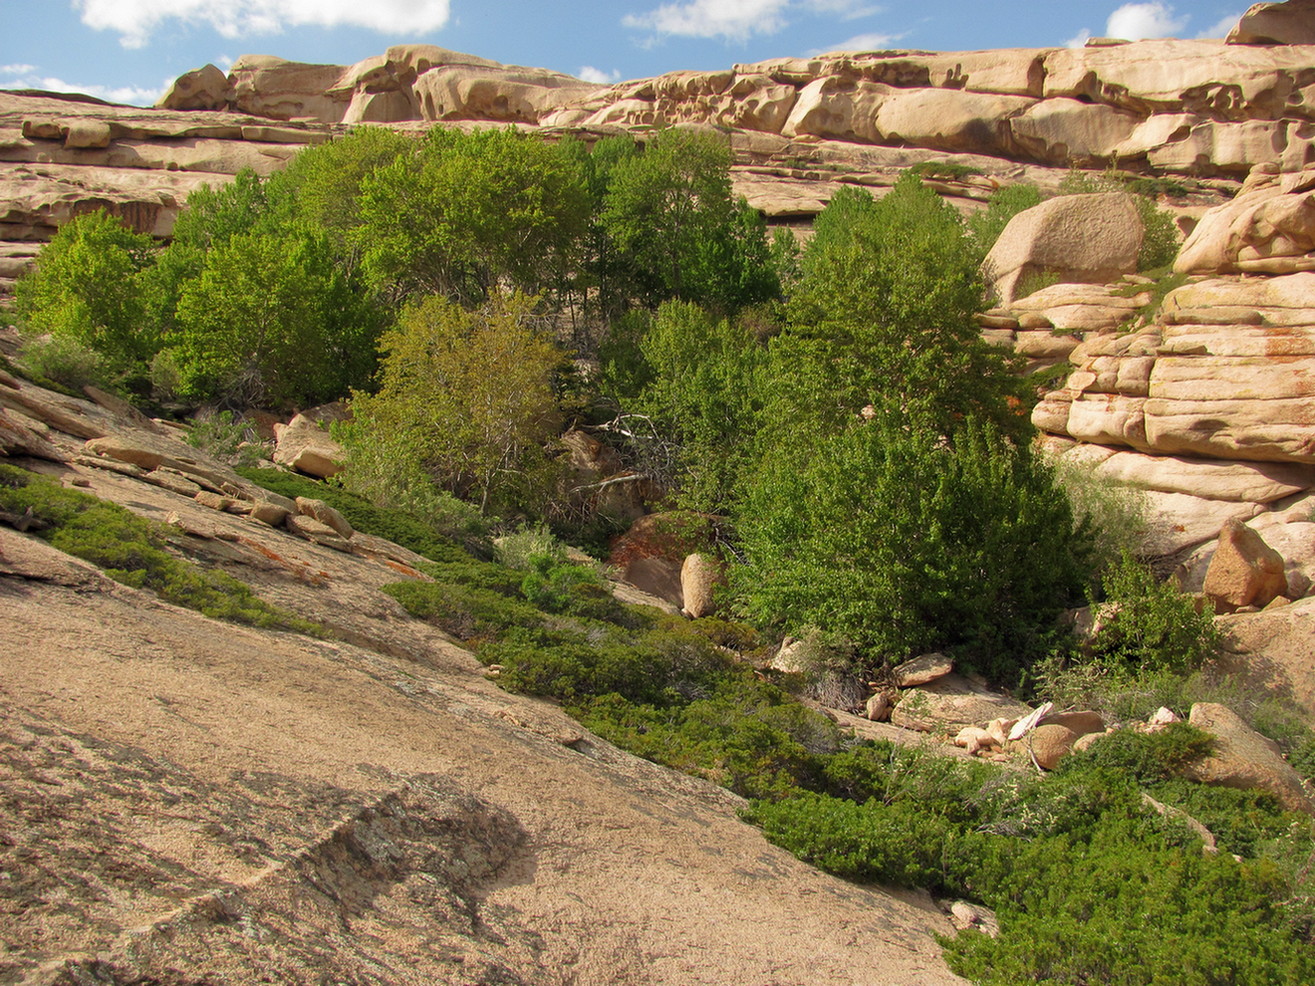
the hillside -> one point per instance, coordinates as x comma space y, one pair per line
256, 741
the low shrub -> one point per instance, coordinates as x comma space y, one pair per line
134, 551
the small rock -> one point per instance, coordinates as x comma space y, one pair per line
325, 514
1081, 723
315, 531
965, 916
701, 575
269, 513
1244, 759
921, 670
213, 500
878, 707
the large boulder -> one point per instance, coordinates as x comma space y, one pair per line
205, 88
1244, 759
1245, 571
1082, 238
1290, 23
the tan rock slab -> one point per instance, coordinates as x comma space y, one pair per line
950, 703
325, 514
921, 670
1244, 759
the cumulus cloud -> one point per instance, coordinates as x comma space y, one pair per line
1137, 21
591, 74
1080, 39
28, 77
732, 19
847, 10
737, 20
860, 42
1221, 28
136, 20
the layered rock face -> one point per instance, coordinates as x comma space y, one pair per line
799, 128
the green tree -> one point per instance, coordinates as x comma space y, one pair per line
986, 226
884, 314
670, 211
465, 403
89, 287
269, 321
465, 212
901, 540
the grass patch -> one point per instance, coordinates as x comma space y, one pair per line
133, 551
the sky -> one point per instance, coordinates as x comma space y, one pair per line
130, 50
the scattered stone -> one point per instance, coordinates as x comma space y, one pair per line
878, 706
950, 703
976, 739
269, 513
1049, 743
305, 446
325, 514
1244, 759
974, 917
921, 670
316, 532
1081, 723
126, 450
213, 500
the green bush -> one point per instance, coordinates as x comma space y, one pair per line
1152, 626
986, 226
904, 541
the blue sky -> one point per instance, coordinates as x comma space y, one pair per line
129, 50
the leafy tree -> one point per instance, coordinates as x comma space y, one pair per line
900, 539
321, 186
986, 226
703, 398
269, 321
88, 287
466, 211
465, 403
884, 314
671, 213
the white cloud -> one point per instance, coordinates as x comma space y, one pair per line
1080, 39
224, 61
1221, 27
591, 74
136, 20
732, 19
133, 95
846, 10
1137, 21
861, 42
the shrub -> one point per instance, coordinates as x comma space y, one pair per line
1152, 626
903, 541
228, 438
986, 226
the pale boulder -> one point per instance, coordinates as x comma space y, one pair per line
1290, 23
325, 514
1082, 238
1270, 223
950, 703
1050, 743
921, 670
950, 119
205, 88
1244, 571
